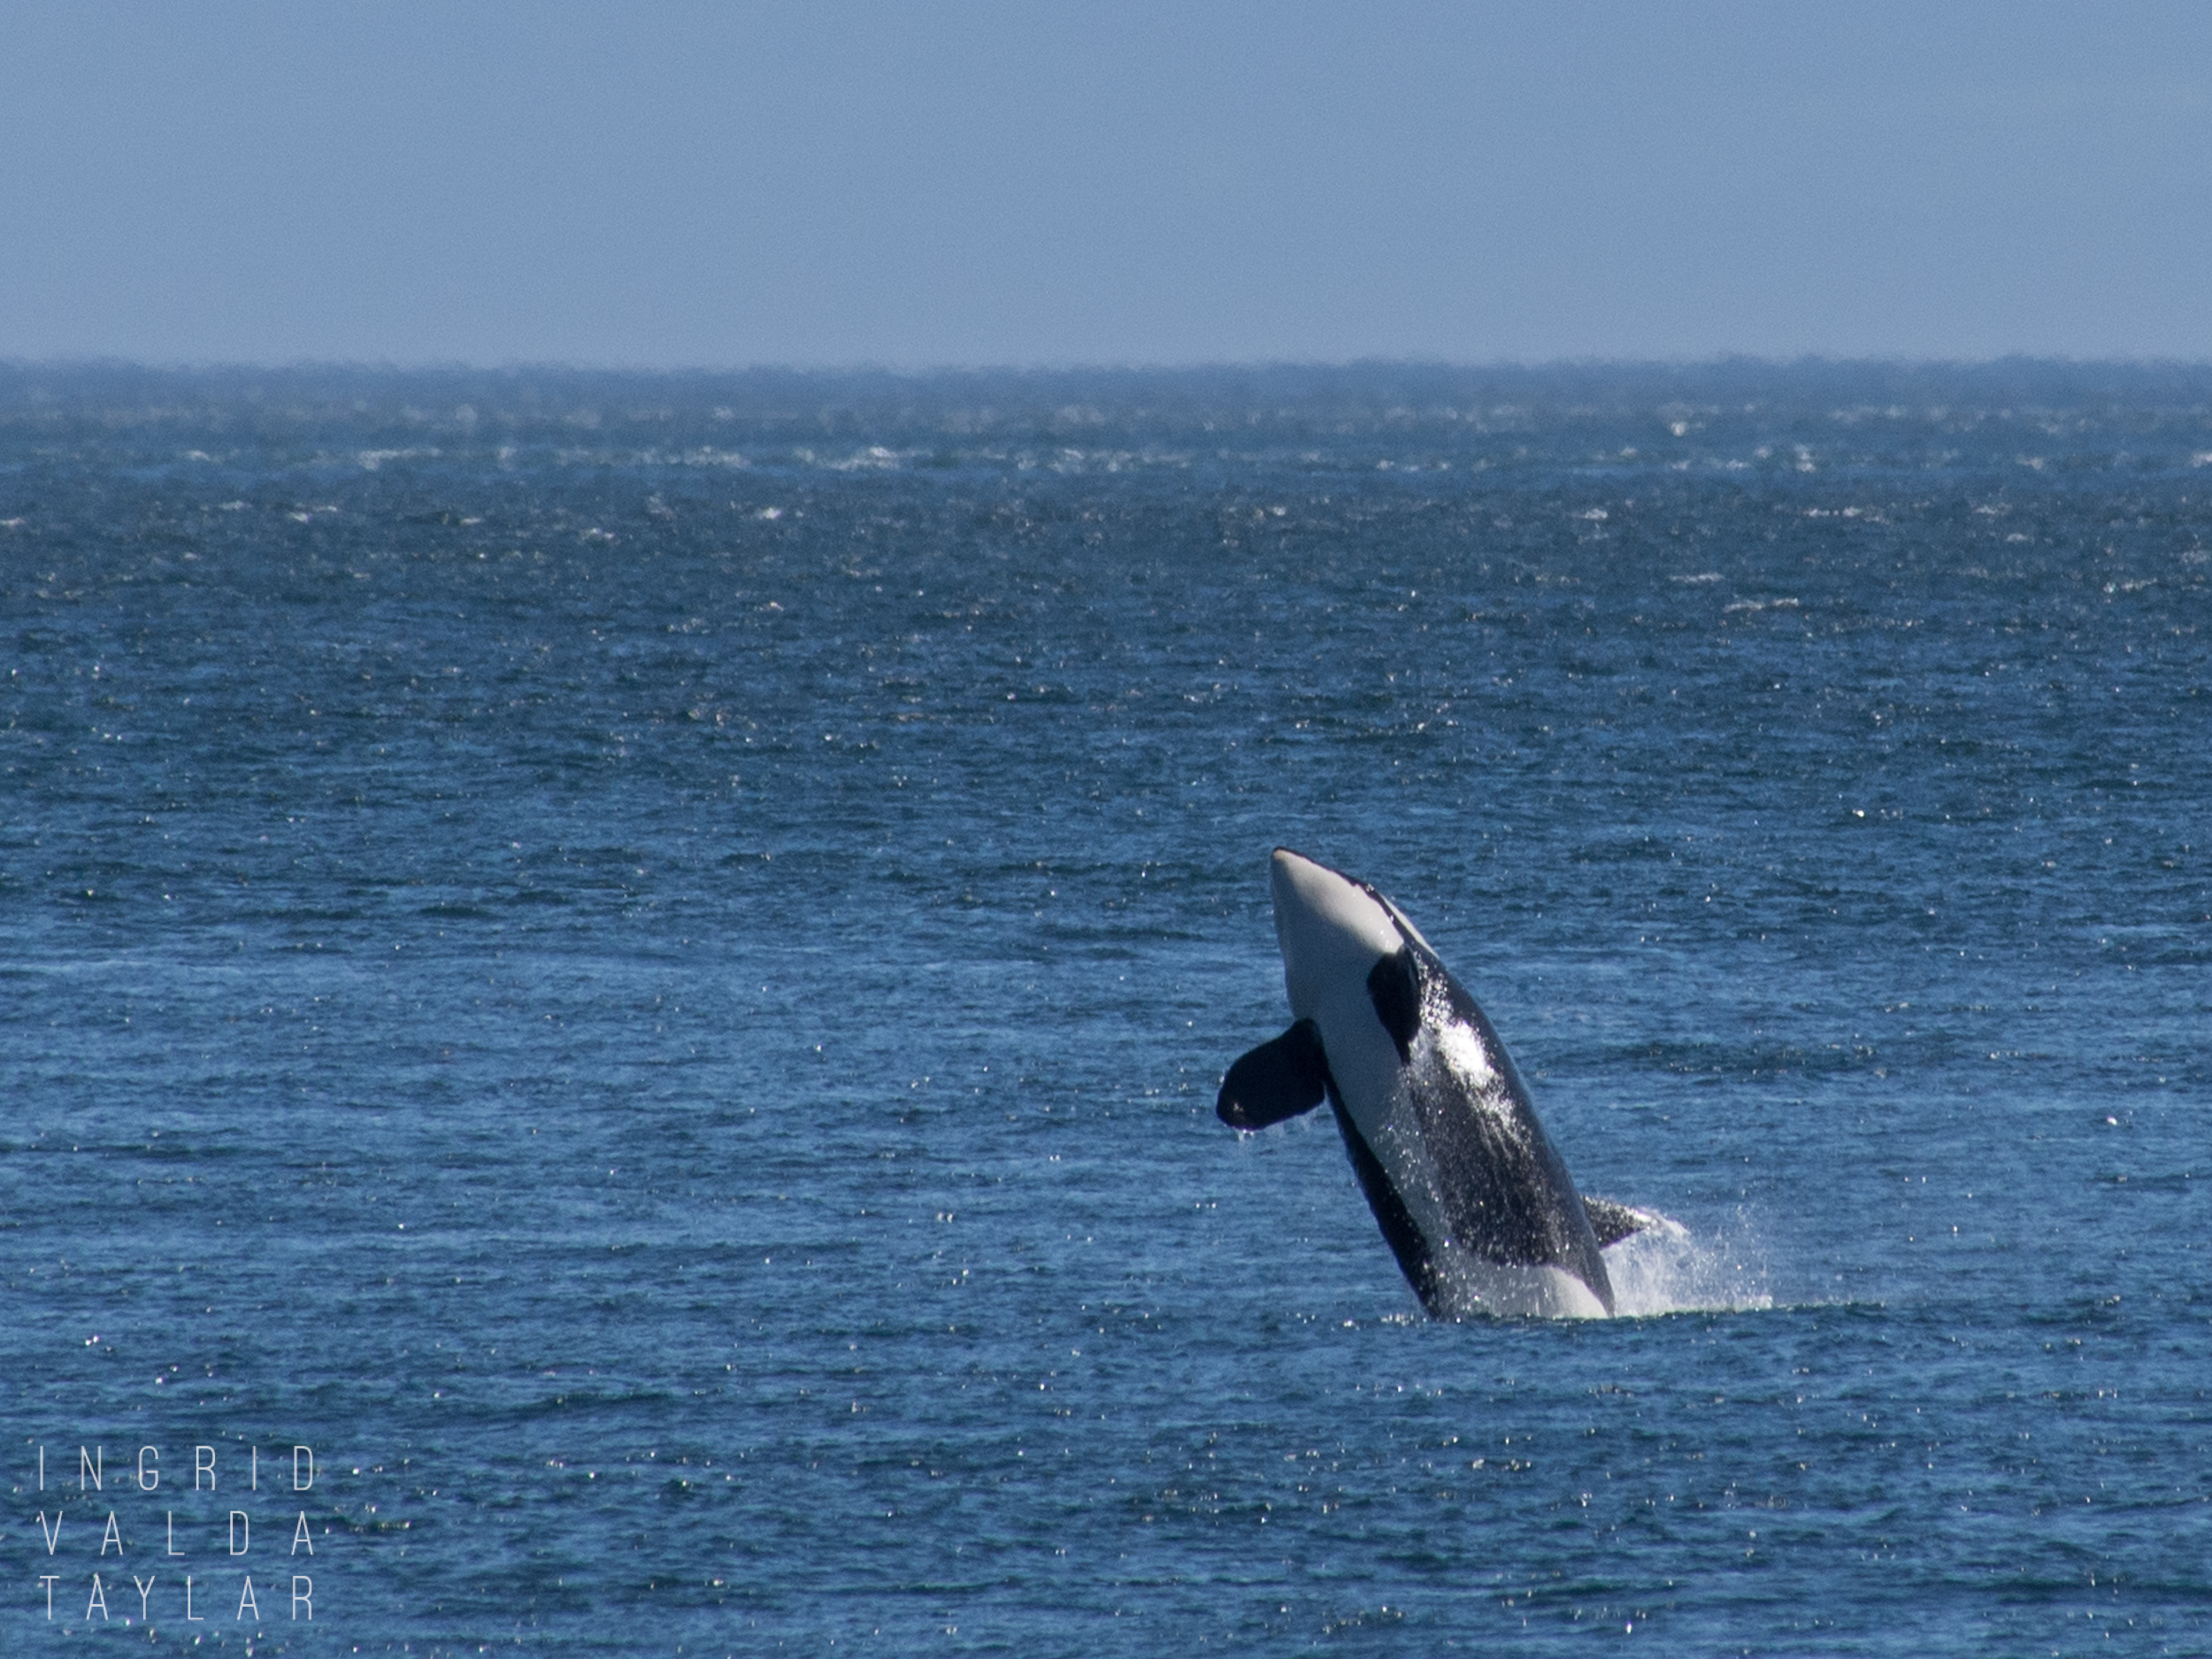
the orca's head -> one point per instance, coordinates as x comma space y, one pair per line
1333, 930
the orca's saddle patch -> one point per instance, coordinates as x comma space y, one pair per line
1278, 1079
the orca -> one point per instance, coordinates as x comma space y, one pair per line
1472, 1198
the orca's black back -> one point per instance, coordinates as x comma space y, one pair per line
1503, 1189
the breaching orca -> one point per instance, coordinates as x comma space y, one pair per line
1475, 1200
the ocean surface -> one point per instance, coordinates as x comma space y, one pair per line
642, 965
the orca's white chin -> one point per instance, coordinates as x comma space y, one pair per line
1328, 925
1333, 932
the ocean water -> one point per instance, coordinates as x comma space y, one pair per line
641, 965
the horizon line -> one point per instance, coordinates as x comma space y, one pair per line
860, 367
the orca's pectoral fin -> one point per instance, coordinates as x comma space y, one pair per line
1278, 1079
1613, 1222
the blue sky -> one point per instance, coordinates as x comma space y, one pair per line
915, 184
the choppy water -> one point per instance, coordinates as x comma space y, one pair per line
643, 964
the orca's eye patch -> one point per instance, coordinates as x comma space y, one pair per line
1394, 985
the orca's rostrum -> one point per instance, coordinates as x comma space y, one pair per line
1475, 1200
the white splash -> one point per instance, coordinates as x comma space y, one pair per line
1473, 1287
1669, 1270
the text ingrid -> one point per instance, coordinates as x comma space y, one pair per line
232, 1538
